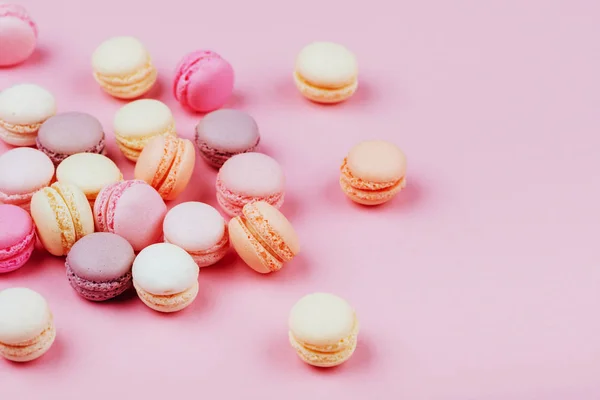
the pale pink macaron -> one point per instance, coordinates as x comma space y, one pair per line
199, 229
17, 237
203, 81
249, 177
131, 209
18, 34
23, 171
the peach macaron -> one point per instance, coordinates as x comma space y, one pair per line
263, 237
373, 172
166, 164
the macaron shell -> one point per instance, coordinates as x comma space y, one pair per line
26, 104
327, 65
138, 216
17, 237
17, 139
88, 171
18, 35
320, 359
324, 95
181, 171
252, 174
377, 161
53, 221
37, 347
194, 226
120, 55
24, 170
143, 118
169, 303
24, 314
250, 250
273, 228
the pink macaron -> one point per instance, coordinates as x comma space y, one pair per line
249, 177
203, 81
18, 35
17, 237
131, 209
99, 266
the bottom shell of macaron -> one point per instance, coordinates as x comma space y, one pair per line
168, 303
323, 359
31, 350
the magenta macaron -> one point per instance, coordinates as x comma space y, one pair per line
249, 177
99, 266
203, 81
131, 209
224, 133
70, 133
18, 35
17, 237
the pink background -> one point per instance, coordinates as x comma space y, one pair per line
478, 282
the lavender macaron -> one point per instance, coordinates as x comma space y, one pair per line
99, 266
70, 133
224, 133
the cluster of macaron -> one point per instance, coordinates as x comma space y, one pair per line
117, 233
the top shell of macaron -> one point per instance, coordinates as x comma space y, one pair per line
25, 104
121, 55
101, 257
15, 224
377, 161
23, 170
24, 314
228, 130
70, 132
321, 319
194, 226
164, 269
143, 117
252, 174
327, 65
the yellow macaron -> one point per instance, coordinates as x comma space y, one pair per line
326, 72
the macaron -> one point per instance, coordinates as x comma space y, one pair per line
203, 81
23, 109
199, 229
326, 72
123, 67
17, 237
62, 216
26, 325
90, 172
263, 237
249, 177
224, 133
165, 277
23, 171
138, 122
70, 133
131, 209
373, 172
166, 164
18, 35
99, 266
323, 329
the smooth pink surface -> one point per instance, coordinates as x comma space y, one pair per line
479, 281
203, 81
17, 237
18, 34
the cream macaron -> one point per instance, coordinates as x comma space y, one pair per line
326, 72
26, 325
89, 172
123, 67
323, 329
165, 277
139, 121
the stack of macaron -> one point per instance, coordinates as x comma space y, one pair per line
118, 233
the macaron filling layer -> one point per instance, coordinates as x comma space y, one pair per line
71, 203
234, 202
370, 191
25, 129
16, 255
263, 251
169, 302
21, 200
133, 84
329, 95
63, 217
325, 358
212, 254
32, 348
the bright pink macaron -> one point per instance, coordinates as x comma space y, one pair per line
17, 237
203, 81
99, 266
131, 209
18, 35
249, 177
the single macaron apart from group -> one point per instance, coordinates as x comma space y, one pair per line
139, 121
23, 109
123, 67
18, 34
26, 325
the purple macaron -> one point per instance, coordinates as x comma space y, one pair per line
70, 133
224, 133
99, 266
